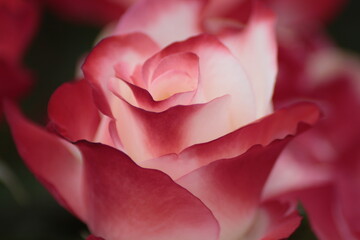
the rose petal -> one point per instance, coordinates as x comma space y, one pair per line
220, 74
141, 98
164, 21
256, 49
176, 73
276, 126
55, 162
171, 83
129, 51
73, 112
128, 202
146, 135
239, 181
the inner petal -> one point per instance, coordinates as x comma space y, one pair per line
176, 73
171, 83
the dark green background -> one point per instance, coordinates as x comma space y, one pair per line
33, 214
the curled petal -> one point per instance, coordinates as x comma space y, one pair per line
141, 98
176, 73
73, 112
100, 66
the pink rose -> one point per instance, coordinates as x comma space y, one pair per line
171, 134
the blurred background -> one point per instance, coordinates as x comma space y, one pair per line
27, 211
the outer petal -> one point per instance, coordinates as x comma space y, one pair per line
164, 21
73, 112
129, 51
239, 182
276, 126
128, 202
256, 49
55, 162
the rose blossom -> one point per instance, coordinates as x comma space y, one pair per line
165, 96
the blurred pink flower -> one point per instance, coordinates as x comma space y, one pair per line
320, 168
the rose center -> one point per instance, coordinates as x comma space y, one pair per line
176, 73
